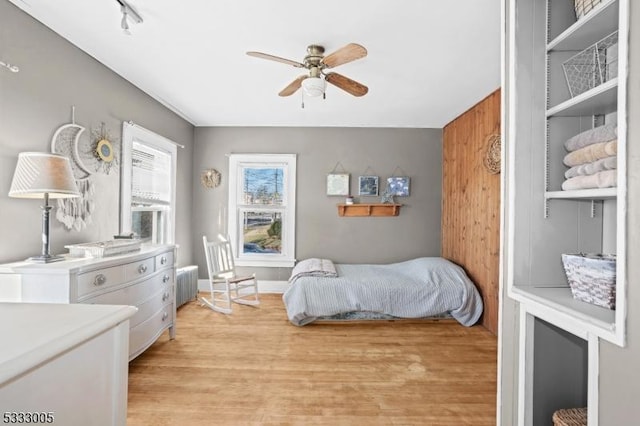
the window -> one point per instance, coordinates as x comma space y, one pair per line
262, 207
147, 205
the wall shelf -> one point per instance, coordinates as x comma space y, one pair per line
351, 210
589, 194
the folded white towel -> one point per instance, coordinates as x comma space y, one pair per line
608, 163
606, 179
313, 267
591, 153
596, 135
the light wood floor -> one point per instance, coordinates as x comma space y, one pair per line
255, 368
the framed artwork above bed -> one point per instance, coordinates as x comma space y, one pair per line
398, 185
368, 185
338, 184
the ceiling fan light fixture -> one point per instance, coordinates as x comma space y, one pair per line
314, 86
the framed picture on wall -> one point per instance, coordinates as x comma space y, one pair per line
398, 185
338, 184
368, 185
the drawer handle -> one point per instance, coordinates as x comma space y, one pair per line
165, 315
100, 279
165, 296
142, 268
163, 260
165, 278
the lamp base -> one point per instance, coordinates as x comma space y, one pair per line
46, 259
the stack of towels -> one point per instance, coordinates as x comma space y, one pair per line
592, 159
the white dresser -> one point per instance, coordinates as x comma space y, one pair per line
64, 364
144, 279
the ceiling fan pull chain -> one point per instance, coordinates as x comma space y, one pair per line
302, 96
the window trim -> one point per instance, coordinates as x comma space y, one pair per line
236, 164
133, 133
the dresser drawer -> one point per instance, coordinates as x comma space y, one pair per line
149, 307
134, 294
163, 260
139, 269
101, 279
144, 334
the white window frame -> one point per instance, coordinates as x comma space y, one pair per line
237, 163
133, 133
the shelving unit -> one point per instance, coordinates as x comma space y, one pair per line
378, 209
587, 220
542, 222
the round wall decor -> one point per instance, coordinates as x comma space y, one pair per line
492, 155
210, 178
104, 150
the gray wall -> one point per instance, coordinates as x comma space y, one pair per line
320, 232
54, 75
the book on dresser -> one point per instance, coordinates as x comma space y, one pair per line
144, 279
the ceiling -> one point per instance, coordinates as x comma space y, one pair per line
428, 60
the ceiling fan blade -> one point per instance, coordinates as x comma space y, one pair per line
293, 86
348, 53
276, 58
346, 84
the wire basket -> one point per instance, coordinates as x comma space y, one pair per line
585, 6
593, 66
592, 278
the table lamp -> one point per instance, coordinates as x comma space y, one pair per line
43, 175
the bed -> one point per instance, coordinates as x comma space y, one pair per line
417, 288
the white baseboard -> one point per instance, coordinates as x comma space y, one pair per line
264, 286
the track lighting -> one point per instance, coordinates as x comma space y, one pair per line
128, 12
10, 67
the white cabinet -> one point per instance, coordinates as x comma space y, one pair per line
144, 279
64, 364
553, 350
541, 220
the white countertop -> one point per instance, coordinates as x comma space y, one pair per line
33, 333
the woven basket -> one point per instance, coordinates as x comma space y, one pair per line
570, 417
585, 6
592, 278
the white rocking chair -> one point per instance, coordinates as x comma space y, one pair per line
226, 286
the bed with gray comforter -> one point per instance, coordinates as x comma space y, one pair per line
417, 288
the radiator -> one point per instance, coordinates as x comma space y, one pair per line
187, 284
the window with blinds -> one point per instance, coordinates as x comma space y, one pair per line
150, 175
148, 185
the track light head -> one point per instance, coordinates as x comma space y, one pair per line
124, 24
128, 12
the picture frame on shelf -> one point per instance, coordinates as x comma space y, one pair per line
398, 185
368, 186
338, 184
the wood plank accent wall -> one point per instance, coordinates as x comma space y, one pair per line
471, 201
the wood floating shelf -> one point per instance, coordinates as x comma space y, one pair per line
379, 209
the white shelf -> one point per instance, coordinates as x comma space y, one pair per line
588, 194
560, 300
600, 22
600, 100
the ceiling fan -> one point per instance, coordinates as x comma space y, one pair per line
314, 83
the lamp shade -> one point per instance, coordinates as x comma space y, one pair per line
40, 173
314, 86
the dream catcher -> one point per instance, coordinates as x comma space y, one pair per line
74, 213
